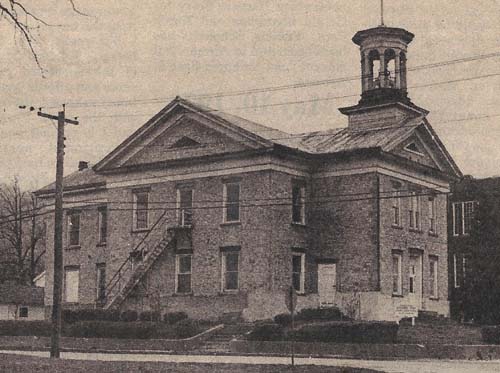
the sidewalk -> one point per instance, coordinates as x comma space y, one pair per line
415, 366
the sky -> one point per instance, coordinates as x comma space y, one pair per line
148, 52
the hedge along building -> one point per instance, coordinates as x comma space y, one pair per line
208, 213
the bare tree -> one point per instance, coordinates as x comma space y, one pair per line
23, 20
21, 233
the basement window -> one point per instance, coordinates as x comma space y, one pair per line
23, 312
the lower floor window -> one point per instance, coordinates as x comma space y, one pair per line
183, 273
23, 312
433, 276
397, 274
298, 274
230, 270
71, 284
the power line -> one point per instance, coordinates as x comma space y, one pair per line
222, 94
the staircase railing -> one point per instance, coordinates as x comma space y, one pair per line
126, 269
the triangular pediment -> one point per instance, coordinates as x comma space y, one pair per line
183, 130
422, 145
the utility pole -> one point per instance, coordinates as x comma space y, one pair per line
58, 232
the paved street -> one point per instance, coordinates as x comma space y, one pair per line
416, 366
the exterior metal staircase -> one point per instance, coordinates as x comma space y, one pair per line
139, 261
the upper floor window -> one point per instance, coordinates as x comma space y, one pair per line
185, 206
432, 214
397, 276
463, 214
298, 203
231, 202
298, 273
414, 210
396, 209
141, 214
103, 224
74, 228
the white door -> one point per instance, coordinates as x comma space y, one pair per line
327, 287
415, 280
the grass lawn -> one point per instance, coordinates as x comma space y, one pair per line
15, 363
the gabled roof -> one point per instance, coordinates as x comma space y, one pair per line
313, 143
12, 293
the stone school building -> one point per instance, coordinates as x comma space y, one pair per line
208, 213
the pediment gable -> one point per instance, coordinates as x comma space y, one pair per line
422, 145
182, 130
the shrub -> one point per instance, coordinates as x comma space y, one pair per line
186, 328
331, 314
149, 316
283, 319
128, 316
266, 332
174, 317
348, 332
491, 334
72, 316
17, 328
131, 330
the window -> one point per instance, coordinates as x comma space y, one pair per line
463, 214
23, 312
413, 278
397, 279
183, 273
464, 269
101, 282
141, 202
185, 207
230, 270
396, 209
433, 276
71, 284
103, 224
232, 202
432, 215
414, 211
298, 204
456, 283
298, 273
74, 228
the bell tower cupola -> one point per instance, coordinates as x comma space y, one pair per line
384, 88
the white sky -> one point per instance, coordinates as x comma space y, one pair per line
136, 50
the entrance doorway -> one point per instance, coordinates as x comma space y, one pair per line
327, 284
415, 280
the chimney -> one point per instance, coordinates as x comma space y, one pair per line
83, 165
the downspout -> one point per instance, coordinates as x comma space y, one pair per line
379, 285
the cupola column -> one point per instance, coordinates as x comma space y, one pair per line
397, 66
383, 69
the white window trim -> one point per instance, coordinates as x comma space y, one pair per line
178, 204
134, 212
225, 202
302, 289
433, 261
462, 223
177, 272
399, 291
223, 272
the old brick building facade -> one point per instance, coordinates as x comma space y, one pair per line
209, 213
